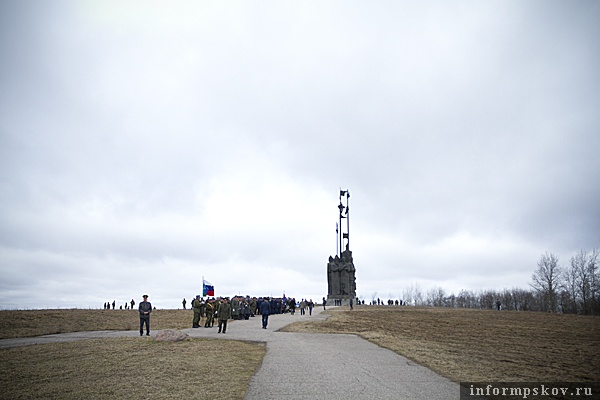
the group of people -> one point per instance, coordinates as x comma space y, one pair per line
390, 302
222, 309
107, 305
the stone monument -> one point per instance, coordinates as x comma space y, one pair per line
341, 279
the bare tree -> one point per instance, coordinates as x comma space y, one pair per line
487, 299
450, 301
408, 295
373, 297
507, 300
435, 297
584, 280
546, 281
419, 299
520, 298
593, 266
466, 299
570, 296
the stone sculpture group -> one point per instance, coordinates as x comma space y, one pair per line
341, 279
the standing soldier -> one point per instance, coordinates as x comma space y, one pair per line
246, 310
145, 309
216, 311
209, 311
253, 306
224, 314
184, 303
197, 307
235, 307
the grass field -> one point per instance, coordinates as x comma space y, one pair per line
478, 345
30, 323
126, 368
461, 344
129, 368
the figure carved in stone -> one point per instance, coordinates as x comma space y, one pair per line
341, 275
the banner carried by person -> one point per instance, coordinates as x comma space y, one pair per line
207, 288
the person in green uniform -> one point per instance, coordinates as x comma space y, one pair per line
235, 307
253, 305
224, 314
209, 312
197, 307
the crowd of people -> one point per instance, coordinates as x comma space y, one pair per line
219, 310
244, 307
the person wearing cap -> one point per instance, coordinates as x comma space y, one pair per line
197, 306
145, 309
209, 312
223, 314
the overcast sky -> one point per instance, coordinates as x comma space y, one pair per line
146, 144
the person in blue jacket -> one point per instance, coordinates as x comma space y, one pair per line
265, 310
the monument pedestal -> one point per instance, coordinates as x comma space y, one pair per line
341, 280
340, 300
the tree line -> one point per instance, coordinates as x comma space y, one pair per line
572, 288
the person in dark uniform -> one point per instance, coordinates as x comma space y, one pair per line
265, 310
145, 309
246, 309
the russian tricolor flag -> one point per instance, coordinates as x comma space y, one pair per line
207, 288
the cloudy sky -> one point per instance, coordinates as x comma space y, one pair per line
146, 144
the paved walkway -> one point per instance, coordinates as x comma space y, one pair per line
310, 366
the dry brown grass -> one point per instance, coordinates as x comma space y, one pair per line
463, 345
124, 368
478, 345
29, 323
127, 368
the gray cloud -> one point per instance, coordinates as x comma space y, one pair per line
175, 142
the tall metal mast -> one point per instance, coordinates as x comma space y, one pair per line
341, 207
